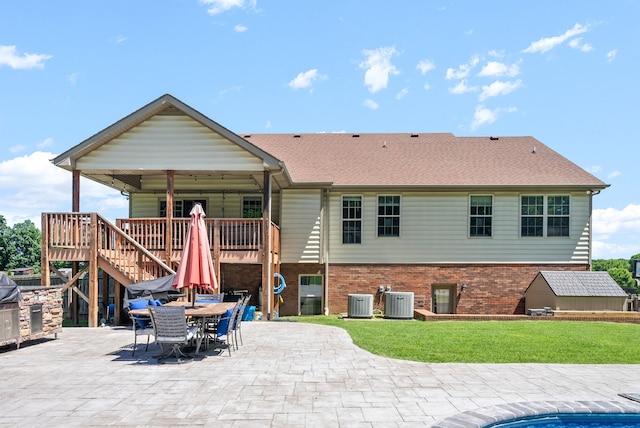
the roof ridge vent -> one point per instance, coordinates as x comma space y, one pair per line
296, 136
247, 136
355, 136
414, 135
494, 138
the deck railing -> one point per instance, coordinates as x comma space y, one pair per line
231, 233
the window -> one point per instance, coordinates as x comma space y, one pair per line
542, 216
251, 207
182, 207
352, 219
310, 293
388, 216
480, 216
558, 215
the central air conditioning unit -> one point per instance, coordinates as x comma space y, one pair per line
398, 304
360, 306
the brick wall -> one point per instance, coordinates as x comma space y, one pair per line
491, 288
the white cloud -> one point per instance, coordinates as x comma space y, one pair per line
547, 43
240, 28
9, 57
614, 174
224, 92
425, 66
609, 221
305, 79
463, 70
379, 68
31, 184
219, 6
17, 149
611, 55
73, 78
484, 115
577, 44
499, 88
370, 104
45, 143
121, 39
498, 69
403, 92
426, 86
462, 88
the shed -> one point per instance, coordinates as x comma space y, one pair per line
575, 291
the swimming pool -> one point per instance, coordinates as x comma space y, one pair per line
549, 414
573, 420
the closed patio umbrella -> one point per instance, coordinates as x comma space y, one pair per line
196, 266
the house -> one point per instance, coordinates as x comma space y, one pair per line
334, 213
575, 291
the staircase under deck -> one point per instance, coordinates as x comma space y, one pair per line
136, 250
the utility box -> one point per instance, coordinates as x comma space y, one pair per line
360, 306
398, 304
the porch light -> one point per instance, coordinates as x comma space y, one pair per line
463, 287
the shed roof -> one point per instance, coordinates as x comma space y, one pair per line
587, 283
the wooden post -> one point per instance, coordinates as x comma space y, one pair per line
45, 276
117, 299
169, 218
216, 251
267, 275
93, 272
75, 267
105, 294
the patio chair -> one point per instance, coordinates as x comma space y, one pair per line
238, 320
209, 297
171, 331
221, 331
141, 324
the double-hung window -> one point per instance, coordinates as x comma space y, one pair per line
251, 207
352, 219
480, 216
388, 216
544, 215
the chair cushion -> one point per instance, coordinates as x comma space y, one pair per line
223, 324
155, 302
138, 304
142, 321
207, 301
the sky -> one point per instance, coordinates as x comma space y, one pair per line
564, 72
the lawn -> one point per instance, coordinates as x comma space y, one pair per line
563, 342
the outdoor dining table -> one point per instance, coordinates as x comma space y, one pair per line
200, 313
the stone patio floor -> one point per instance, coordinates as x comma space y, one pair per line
286, 374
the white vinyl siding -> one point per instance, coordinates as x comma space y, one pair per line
170, 142
145, 205
301, 226
435, 230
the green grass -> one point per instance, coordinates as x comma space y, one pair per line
563, 342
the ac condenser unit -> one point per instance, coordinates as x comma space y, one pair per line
398, 304
360, 306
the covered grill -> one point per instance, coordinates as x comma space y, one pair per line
10, 298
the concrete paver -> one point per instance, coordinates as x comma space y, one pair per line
286, 374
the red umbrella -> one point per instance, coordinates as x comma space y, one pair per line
196, 266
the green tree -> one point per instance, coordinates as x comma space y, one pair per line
622, 277
22, 246
5, 233
607, 264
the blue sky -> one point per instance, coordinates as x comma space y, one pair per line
564, 72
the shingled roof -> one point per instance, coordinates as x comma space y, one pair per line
584, 283
429, 159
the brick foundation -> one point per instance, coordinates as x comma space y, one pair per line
491, 288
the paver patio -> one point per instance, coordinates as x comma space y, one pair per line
287, 374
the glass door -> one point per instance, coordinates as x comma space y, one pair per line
443, 299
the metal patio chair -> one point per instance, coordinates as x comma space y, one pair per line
171, 331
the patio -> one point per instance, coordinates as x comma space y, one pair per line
287, 374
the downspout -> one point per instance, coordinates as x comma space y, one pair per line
325, 246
